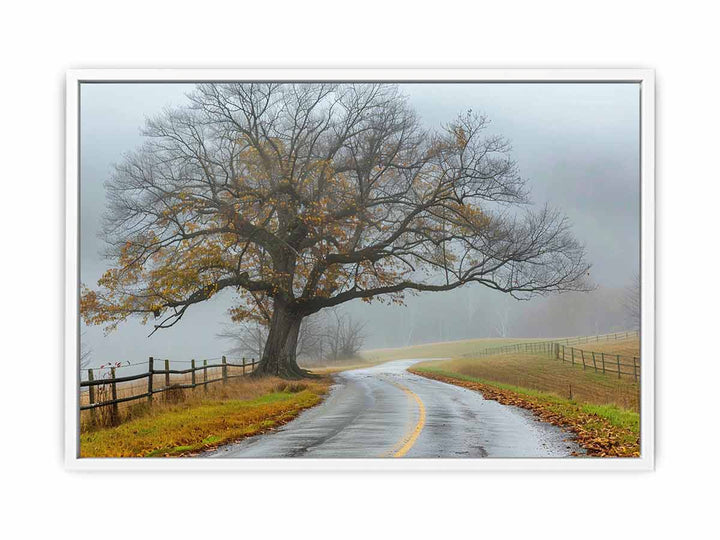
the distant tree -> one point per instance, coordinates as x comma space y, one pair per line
85, 353
310, 337
631, 303
247, 338
300, 197
343, 337
502, 320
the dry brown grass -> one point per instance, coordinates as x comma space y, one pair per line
440, 349
242, 388
547, 375
202, 421
102, 416
624, 347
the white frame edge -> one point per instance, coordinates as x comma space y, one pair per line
645, 77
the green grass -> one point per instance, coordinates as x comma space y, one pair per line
615, 415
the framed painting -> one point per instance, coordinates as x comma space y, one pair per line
360, 269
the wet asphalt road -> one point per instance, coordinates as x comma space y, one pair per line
384, 411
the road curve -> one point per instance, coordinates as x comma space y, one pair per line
384, 411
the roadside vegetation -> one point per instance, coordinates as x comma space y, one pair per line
602, 430
601, 410
203, 420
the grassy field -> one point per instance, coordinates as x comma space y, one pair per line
440, 349
538, 372
201, 421
625, 347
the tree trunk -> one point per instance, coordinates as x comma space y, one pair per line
279, 356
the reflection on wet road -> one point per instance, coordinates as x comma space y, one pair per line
384, 411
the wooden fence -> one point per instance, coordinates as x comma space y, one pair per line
601, 362
561, 349
113, 381
594, 339
546, 346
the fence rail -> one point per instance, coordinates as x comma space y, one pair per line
601, 362
113, 381
562, 349
546, 345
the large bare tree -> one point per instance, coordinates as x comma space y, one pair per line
300, 197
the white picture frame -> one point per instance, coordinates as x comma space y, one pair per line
644, 77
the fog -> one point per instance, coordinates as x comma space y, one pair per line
577, 144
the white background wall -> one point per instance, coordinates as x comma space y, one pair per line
39, 43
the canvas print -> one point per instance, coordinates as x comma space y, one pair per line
386, 270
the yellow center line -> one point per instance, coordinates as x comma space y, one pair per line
408, 442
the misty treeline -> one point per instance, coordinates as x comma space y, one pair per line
298, 198
327, 337
472, 313
468, 313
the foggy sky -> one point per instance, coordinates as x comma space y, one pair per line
577, 144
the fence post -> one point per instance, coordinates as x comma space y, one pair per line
603, 361
635, 368
594, 364
618, 365
192, 367
205, 374
91, 378
150, 379
91, 392
582, 353
114, 409
224, 369
243, 365
167, 374
572, 355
